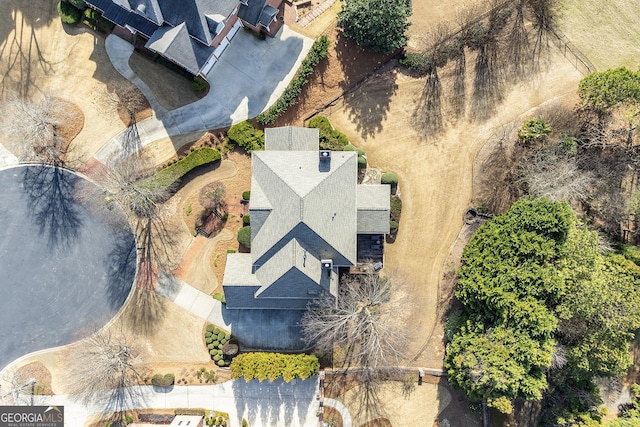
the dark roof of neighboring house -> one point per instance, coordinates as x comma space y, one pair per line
268, 13
251, 11
197, 14
118, 14
175, 44
181, 31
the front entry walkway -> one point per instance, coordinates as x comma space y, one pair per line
256, 329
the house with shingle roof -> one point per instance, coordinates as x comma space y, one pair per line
190, 33
308, 217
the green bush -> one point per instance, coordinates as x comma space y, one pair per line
246, 195
246, 136
271, 366
534, 130
245, 423
231, 251
393, 226
90, 13
199, 85
244, 236
221, 362
219, 296
211, 328
362, 162
351, 147
160, 380
69, 14
169, 175
422, 63
389, 178
330, 139
395, 205
288, 98
80, 5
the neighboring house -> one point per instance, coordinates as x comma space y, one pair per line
309, 218
190, 33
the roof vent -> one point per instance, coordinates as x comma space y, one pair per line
141, 8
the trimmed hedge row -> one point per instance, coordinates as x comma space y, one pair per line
271, 366
362, 157
289, 97
246, 136
244, 236
169, 175
330, 139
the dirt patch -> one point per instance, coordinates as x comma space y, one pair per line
345, 65
331, 417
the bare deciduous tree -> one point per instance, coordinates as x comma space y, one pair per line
212, 197
106, 371
37, 124
365, 323
556, 176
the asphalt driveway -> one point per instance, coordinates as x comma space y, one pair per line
64, 270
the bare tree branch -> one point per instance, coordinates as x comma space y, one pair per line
365, 322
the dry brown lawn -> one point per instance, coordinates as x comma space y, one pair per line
38, 55
435, 169
606, 32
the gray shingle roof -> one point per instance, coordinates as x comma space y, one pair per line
291, 138
175, 44
251, 11
268, 14
194, 12
373, 209
317, 208
301, 214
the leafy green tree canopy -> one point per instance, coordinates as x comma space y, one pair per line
379, 25
604, 90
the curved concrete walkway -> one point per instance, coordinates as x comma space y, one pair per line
339, 406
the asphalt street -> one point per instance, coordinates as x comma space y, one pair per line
64, 269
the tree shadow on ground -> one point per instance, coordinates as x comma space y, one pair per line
427, 118
487, 82
21, 52
121, 268
50, 201
368, 107
355, 61
274, 403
